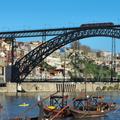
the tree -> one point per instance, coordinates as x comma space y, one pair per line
46, 66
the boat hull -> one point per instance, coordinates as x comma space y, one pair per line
88, 114
50, 113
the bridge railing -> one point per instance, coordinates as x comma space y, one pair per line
73, 80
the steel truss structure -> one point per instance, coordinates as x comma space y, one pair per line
63, 36
36, 33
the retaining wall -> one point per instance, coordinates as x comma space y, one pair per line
51, 87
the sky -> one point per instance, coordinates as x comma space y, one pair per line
38, 14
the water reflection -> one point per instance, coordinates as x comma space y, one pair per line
11, 102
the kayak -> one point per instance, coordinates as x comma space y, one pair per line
23, 105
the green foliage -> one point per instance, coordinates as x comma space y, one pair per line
116, 87
110, 88
46, 66
118, 76
71, 75
104, 88
88, 68
98, 89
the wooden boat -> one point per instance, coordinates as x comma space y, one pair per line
90, 107
56, 105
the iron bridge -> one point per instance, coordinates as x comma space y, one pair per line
61, 37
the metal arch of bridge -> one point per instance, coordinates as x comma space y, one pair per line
26, 64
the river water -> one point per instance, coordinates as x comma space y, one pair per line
11, 108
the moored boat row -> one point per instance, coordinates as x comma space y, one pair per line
80, 108
59, 107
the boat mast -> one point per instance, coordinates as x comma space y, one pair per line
85, 87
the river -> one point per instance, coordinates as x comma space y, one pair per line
11, 108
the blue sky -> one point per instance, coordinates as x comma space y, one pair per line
37, 14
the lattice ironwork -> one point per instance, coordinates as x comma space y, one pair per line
36, 33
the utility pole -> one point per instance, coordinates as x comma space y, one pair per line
113, 59
12, 58
63, 89
43, 40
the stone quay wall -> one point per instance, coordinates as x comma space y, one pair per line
51, 87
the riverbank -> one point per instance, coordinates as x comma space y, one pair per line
51, 87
